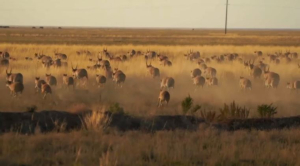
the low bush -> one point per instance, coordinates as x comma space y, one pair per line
233, 111
187, 106
266, 111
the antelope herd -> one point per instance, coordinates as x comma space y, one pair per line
204, 74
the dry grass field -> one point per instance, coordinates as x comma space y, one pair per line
115, 36
139, 94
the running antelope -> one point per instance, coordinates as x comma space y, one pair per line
196, 72
105, 52
164, 96
115, 59
199, 81
45, 89
192, 55
68, 81
119, 77
258, 53
15, 87
103, 63
38, 84
123, 57
28, 59
294, 55
245, 83
154, 72
167, 82
262, 65
293, 85
60, 55
150, 54
255, 71
4, 62
108, 72
210, 71
14, 77
207, 60
271, 79
131, 53
211, 81
46, 60
56, 63
246, 64
166, 62
51, 80
4, 54
162, 57
202, 66
100, 80
79, 74
272, 58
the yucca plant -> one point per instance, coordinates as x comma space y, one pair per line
32, 108
208, 116
96, 121
266, 111
116, 109
195, 109
187, 106
233, 111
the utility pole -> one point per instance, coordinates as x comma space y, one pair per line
226, 17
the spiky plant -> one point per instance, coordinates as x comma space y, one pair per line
266, 111
186, 104
116, 109
195, 109
233, 111
208, 116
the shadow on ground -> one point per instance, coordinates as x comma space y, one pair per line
60, 121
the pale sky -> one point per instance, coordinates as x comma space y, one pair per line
278, 14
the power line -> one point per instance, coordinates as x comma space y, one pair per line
226, 17
264, 6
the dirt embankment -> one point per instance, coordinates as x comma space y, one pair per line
47, 121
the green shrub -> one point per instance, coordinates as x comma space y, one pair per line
266, 111
32, 108
195, 109
116, 109
187, 106
233, 111
208, 116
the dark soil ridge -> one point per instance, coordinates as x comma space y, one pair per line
47, 121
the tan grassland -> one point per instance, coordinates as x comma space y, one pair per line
139, 95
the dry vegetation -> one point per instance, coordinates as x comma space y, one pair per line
138, 97
116, 36
140, 91
206, 147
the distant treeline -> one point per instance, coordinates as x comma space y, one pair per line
4, 26
43, 27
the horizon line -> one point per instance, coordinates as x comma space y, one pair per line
154, 28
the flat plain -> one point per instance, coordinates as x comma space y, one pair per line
139, 94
